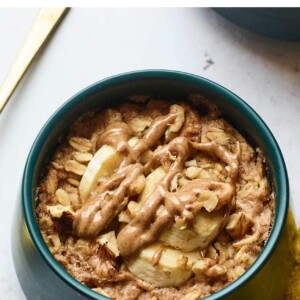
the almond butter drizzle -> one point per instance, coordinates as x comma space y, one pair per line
111, 197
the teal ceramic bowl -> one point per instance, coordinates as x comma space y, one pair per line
274, 22
42, 277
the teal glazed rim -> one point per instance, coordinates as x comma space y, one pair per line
275, 156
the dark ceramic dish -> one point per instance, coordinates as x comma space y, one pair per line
42, 277
278, 23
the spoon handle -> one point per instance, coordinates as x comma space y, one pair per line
44, 25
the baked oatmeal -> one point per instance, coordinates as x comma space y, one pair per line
155, 199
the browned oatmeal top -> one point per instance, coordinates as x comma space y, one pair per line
153, 200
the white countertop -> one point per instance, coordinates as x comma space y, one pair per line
92, 44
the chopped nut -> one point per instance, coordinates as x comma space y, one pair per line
191, 163
216, 271
139, 124
80, 144
217, 135
56, 211
83, 247
183, 181
212, 253
174, 182
109, 239
193, 172
175, 127
205, 174
62, 197
180, 223
124, 217
74, 167
238, 225
200, 267
223, 252
137, 186
209, 199
133, 141
207, 267
239, 271
133, 207
179, 110
82, 157
103, 263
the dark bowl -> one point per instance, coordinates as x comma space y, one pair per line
278, 23
42, 277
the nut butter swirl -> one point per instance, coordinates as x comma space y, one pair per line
162, 206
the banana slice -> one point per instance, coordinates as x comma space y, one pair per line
205, 229
152, 180
206, 225
104, 163
163, 266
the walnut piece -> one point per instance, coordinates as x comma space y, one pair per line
175, 127
207, 268
193, 172
238, 225
217, 135
137, 186
139, 124
133, 207
104, 262
209, 199
110, 241
191, 163
56, 211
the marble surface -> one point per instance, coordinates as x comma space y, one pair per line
92, 44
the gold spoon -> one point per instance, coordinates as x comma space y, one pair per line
44, 25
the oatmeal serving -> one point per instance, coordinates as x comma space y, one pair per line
155, 199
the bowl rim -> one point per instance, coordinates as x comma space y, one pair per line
276, 158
